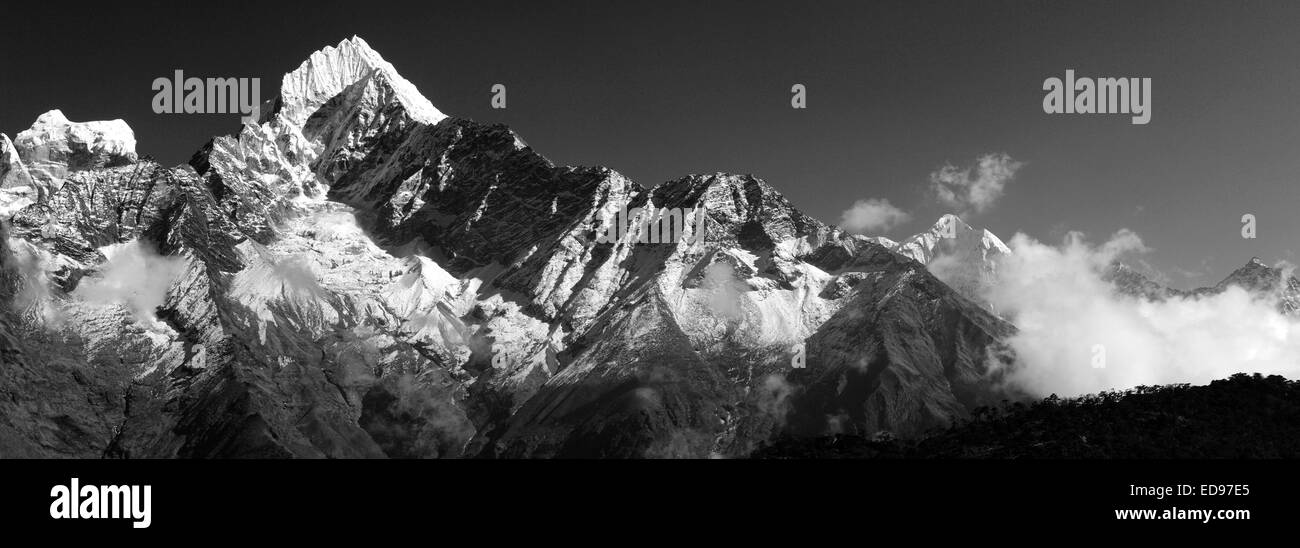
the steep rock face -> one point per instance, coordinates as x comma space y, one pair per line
17, 188
311, 298
639, 391
73, 355
726, 323
336, 107
905, 354
51, 404
682, 355
360, 276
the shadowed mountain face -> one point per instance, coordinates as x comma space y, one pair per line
361, 276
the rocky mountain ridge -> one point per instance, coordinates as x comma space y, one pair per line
1274, 284
360, 275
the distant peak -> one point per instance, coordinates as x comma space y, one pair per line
1253, 267
52, 130
330, 70
55, 118
950, 219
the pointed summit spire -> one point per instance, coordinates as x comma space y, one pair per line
329, 71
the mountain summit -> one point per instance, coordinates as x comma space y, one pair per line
332, 70
1256, 277
962, 256
34, 164
952, 237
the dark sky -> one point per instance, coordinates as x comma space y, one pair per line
658, 90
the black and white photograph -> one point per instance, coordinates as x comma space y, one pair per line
1044, 251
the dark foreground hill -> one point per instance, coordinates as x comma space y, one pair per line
1240, 417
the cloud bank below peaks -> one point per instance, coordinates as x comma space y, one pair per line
1077, 335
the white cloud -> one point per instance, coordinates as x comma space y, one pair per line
976, 188
1066, 313
135, 276
872, 216
31, 265
726, 293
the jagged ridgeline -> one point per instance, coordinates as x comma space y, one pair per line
360, 275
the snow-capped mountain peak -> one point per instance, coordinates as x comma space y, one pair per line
1259, 278
964, 257
331, 111
53, 136
329, 71
55, 146
952, 236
